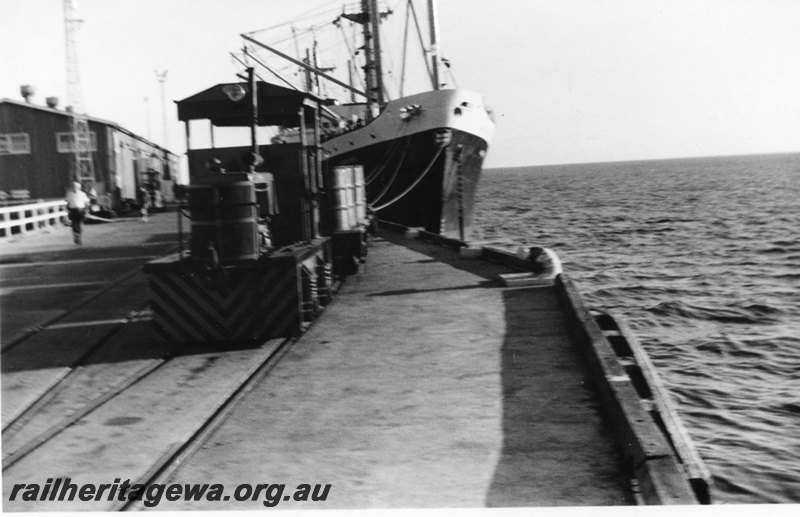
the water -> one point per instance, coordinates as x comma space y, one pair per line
702, 259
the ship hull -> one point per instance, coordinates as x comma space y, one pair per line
422, 170
415, 182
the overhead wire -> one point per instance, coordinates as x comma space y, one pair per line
302, 17
322, 31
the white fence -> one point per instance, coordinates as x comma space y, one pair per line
31, 217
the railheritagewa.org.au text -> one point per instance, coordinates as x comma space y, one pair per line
151, 495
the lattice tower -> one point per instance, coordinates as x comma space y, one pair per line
82, 168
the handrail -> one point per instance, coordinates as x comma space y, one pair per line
37, 215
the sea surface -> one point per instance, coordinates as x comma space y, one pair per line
702, 258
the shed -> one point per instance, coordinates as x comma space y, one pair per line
36, 153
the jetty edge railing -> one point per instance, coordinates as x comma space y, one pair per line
31, 216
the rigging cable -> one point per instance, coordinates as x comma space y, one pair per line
273, 72
405, 52
421, 40
303, 17
352, 55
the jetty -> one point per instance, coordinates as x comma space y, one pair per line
429, 381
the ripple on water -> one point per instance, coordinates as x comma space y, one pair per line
701, 257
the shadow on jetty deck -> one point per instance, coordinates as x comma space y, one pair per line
425, 383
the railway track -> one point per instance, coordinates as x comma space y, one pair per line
22, 433
51, 322
95, 444
38, 361
92, 393
126, 387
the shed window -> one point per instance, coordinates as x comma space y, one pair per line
65, 142
15, 143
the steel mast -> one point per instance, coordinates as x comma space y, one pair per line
436, 59
82, 167
162, 79
372, 50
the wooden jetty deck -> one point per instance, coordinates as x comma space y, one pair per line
425, 383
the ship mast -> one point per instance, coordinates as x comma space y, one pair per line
436, 60
373, 69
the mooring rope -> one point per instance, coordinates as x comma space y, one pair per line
97, 218
373, 175
407, 190
394, 173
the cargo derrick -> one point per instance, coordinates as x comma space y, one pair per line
270, 226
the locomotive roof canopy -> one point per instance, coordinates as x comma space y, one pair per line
277, 106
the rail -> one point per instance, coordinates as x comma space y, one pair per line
32, 216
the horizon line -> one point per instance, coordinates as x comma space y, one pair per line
695, 157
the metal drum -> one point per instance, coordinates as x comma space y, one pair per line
344, 203
224, 216
361, 193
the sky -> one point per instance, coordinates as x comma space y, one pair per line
570, 81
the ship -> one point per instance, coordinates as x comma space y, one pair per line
421, 154
445, 374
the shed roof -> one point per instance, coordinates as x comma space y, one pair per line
64, 113
277, 106
54, 111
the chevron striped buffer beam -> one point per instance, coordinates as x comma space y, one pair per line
254, 300
255, 303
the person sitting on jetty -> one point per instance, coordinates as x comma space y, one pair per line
77, 202
544, 261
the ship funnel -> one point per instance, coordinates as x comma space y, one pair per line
27, 91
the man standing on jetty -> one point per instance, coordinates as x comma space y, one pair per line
77, 202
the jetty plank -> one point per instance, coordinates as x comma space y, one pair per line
130, 354
39, 362
30, 369
424, 384
125, 437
